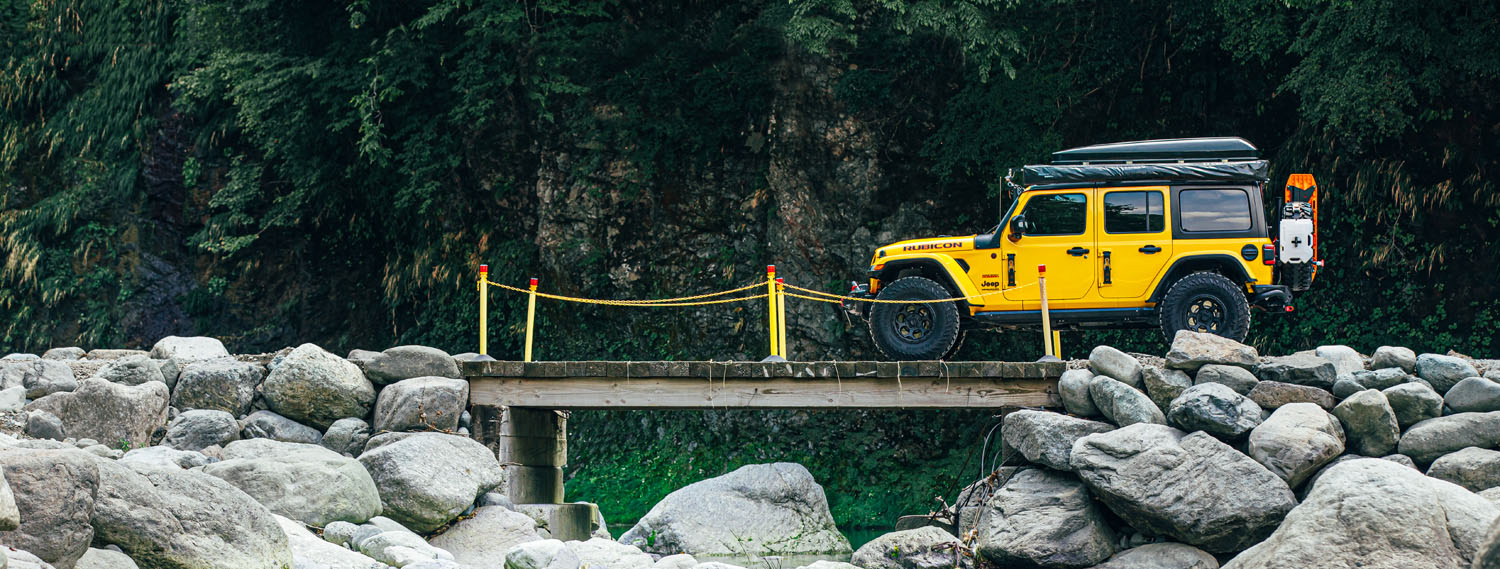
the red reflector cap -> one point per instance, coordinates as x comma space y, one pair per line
770, 268
1290, 309
1041, 268
533, 282
484, 268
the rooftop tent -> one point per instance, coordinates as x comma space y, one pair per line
1225, 159
1169, 150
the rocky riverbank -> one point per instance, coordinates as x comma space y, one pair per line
189, 457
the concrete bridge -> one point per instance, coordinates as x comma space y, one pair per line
517, 406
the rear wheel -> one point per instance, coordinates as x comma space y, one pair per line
1205, 302
914, 331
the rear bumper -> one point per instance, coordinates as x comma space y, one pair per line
1276, 299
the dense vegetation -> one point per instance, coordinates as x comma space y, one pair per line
273, 172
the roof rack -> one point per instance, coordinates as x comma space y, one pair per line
1176, 150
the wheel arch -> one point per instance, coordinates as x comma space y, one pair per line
927, 267
1227, 265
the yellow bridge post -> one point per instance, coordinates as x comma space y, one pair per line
484, 309
771, 303
530, 317
1041, 283
786, 347
1057, 343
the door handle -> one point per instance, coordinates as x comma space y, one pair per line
1150, 249
1078, 251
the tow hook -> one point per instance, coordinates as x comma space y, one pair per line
853, 305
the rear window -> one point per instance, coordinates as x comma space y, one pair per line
1214, 210
1134, 212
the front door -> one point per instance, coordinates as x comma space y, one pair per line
1134, 244
1061, 236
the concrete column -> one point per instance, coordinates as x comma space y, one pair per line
534, 450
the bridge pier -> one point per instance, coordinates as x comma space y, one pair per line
533, 445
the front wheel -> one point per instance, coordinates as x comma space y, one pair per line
1205, 302
914, 331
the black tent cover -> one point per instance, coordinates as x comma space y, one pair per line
1236, 171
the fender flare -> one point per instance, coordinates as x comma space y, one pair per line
1229, 265
944, 267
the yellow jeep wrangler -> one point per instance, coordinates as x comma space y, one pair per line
1157, 233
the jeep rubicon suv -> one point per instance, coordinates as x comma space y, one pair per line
1155, 233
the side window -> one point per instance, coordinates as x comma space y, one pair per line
1134, 212
1214, 210
1057, 214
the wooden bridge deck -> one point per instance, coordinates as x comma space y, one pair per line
763, 385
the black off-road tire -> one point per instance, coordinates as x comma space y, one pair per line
905, 332
1298, 277
1205, 302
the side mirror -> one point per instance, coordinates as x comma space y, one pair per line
1018, 227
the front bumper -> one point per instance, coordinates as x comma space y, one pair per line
856, 305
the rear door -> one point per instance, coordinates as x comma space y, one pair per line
1062, 238
1134, 242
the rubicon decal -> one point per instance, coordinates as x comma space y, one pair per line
931, 246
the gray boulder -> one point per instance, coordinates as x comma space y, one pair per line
1413, 403
21, 559
1271, 395
1164, 385
64, 354
401, 548
758, 509
12, 399
1394, 356
132, 370
177, 352
544, 554
1043, 518
1302, 368
269, 425
1122, 404
224, 384
1047, 438
109, 412
1346, 386
10, 516
406, 362
192, 348
201, 428
165, 456
54, 492
1215, 409
605, 553
1380, 379
1104, 360
104, 559
1237, 378
1161, 556
1488, 556
307, 483
1443, 372
1473, 468
40, 377
1073, 387
315, 387
103, 354
1193, 350
1424, 442
1400, 459
1376, 514
43, 425
1369, 423
347, 436
311, 552
422, 403
427, 479
1191, 487
1473, 394
921, 548
1345, 359
168, 517
1295, 441
485, 537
